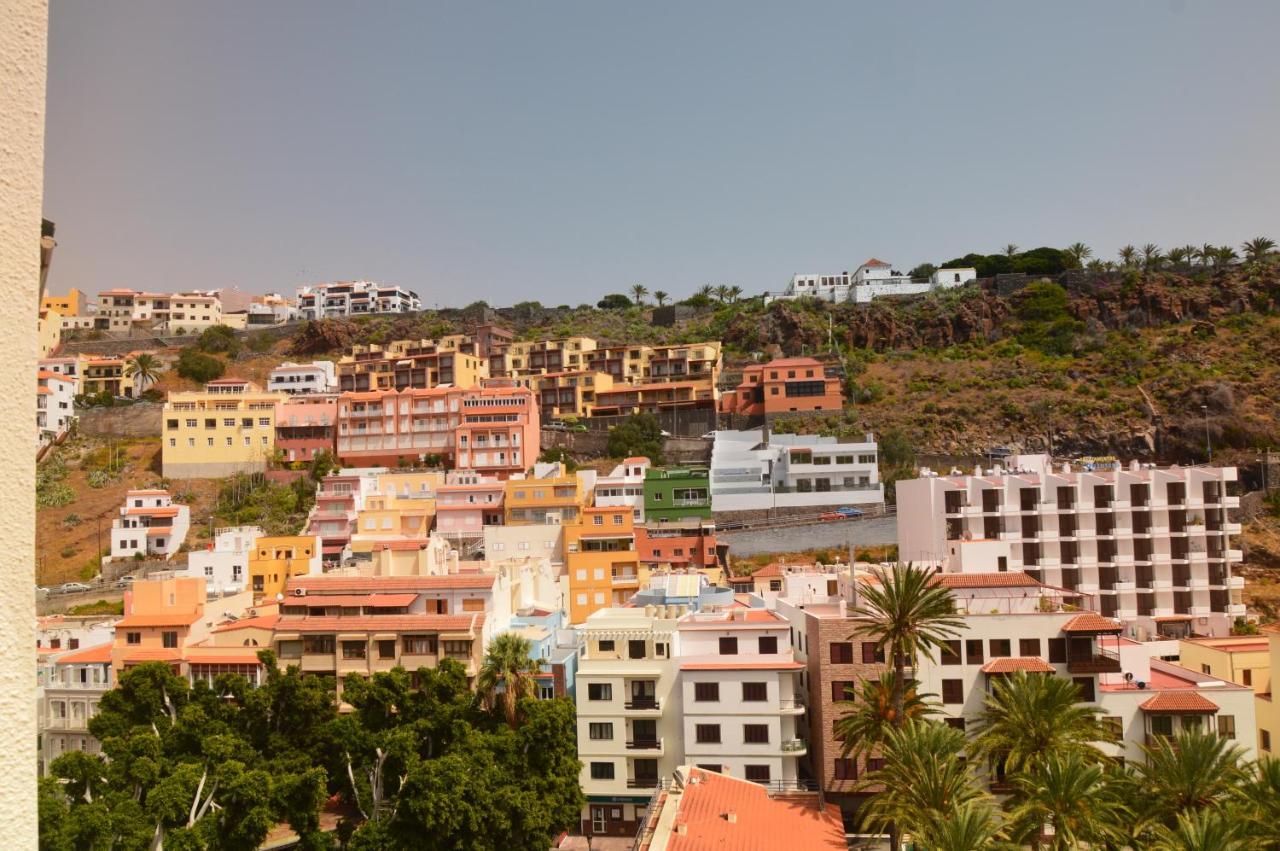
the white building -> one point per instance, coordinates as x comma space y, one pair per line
742, 707
55, 405
629, 720
225, 565
150, 525
871, 279
354, 298
71, 685
1150, 546
294, 378
624, 486
752, 471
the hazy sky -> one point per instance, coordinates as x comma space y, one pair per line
558, 151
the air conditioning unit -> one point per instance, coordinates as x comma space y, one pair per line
299, 592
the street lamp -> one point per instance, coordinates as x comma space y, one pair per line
1207, 444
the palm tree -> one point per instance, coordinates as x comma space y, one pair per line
734, 293
1078, 252
871, 716
1258, 249
1128, 257
973, 826
707, 290
1195, 771
1010, 250
1095, 265
660, 297
1226, 255
1151, 255
507, 674
722, 293
924, 781
1070, 794
908, 615
638, 292
1260, 802
1191, 252
144, 368
1208, 253
1203, 831
1029, 716
1178, 256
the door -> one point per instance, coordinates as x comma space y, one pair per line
598, 819
644, 733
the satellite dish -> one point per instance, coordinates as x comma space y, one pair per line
279, 597
1141, 684
1128, 676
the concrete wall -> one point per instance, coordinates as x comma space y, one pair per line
24, 48
137, 420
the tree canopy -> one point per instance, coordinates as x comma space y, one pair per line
639, 435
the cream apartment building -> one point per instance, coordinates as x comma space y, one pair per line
227, 428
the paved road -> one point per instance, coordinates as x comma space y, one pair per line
62, 602
873, 531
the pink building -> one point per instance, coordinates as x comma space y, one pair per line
334, 516
467, 502
500, 432
305, 425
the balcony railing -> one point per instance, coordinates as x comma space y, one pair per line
643, 703
793, 745
642, 782
1098, 664
644, 744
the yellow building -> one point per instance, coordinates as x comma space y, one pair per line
409, 483
102, 374
275, 559
539, 357
48, 332
227, 428
74, 303
569, 394
601, 562
390, 518
1266, 711
1243, 659
550, 495
410, 363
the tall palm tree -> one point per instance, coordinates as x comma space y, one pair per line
638, 292
908, 615
924, 781
707, 290
1208, 253
1260, 802
1178, 256
722, 293
507, 674
1078, 252
1010, 250
1258, 249
1195, 771
1203, 831
973, 826
1226, 255
1095, 265
734, 293
1128, 257
1071, 795
660, 297
870, 717
1191, 252
144, 368
1029, 716
1151, 255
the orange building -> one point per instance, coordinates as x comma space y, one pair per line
500, 431
786, 384
680, 544
162, 616
600, 560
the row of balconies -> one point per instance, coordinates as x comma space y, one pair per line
1051, 508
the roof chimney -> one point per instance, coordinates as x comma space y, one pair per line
682, 828
731, 817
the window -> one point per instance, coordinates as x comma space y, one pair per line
1028, 647
706, 691
1162, 725
973, 651
1206, 669
598, 520
755, 691
768, 645
133, 638
842, 689
170, 639
707, 734
1058, 650
602, 771
1265, 736
1227, 726
846, 768
635, 649
951, 652
387, 649
600, 730
758, 773
1246, 677
354, 649
953, 691
606, 646
600, 691
729, 646
955, 723
841, 653
999, 647
871, 654
1086, 688
755, 734
775, 584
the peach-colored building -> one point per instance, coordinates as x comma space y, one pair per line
499, 433
783, 385
467, 502
162, 616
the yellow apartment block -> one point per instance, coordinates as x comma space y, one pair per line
74, 303
554, 497
601, 562
392, 518
1242, 659
227, 428
410, 483
569, 394
275, 559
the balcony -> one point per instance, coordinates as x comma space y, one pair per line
1235, 555
792, 705
1199, 611
1096, 664
1047, 535
642, 782
1231, 528
318, 662
1010, 536
643, 704
1122, 558
625, 579
1231, 501
1195, 529
1124, 586
1087, 587
1200, 582
795, 747
1235, 581
650, 746
1236, 610
1161, 584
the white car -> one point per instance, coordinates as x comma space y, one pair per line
73, 587
711, 435
666, 433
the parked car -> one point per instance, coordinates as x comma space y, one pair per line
125, 581
711, 435
73, 587
575, 427
666, 433
850, 511
555, 426
42, 591
832, 515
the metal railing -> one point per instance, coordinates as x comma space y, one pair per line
643, 703
792, 745
644, 744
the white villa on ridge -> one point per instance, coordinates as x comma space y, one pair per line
150, 524
871, 279
754, 471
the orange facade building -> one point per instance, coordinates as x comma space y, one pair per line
784, 385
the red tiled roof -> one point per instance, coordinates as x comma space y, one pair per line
1012, 579
1179, 701
875, 262
380, 601
1091, 622
261, 622
1008, 665
154, 511
760, 823
382, 623
166, 619
319, 585
86, 655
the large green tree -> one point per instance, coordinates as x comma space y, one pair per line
638, 435
507, 675
1028, 717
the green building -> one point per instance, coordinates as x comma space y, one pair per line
676, 493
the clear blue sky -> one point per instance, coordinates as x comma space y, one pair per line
561, 150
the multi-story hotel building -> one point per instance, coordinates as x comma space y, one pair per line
294, 378
227, 428
306, 425
568, 394
785, 385
629, 725
381, 427
1150, 546
119, 309
354, 298
541, 357
499, 434
150, 524
71, 689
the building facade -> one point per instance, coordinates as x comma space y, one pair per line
227, 428
306, 425
601, 561
294, 378
870, 280
354, 298
673, 494
785, 385
224, 565
150, 524
752, 471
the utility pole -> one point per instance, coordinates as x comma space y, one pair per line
1207, 444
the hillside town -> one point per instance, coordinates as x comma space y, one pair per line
567, 520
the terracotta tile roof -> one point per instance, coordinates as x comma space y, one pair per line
1179, 701
875, 262
261, 622
319, 585
382, 623
1012, 579
165, 619
379, 601
154, 511
1091, 622
147, 492
1010, 664
760, 823
56, 376
86, 655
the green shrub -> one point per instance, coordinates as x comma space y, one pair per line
196, 366
68, 551
71, 521
639, 435
219, 338
99, 478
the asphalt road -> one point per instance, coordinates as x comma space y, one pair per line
62, 602
869, 532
